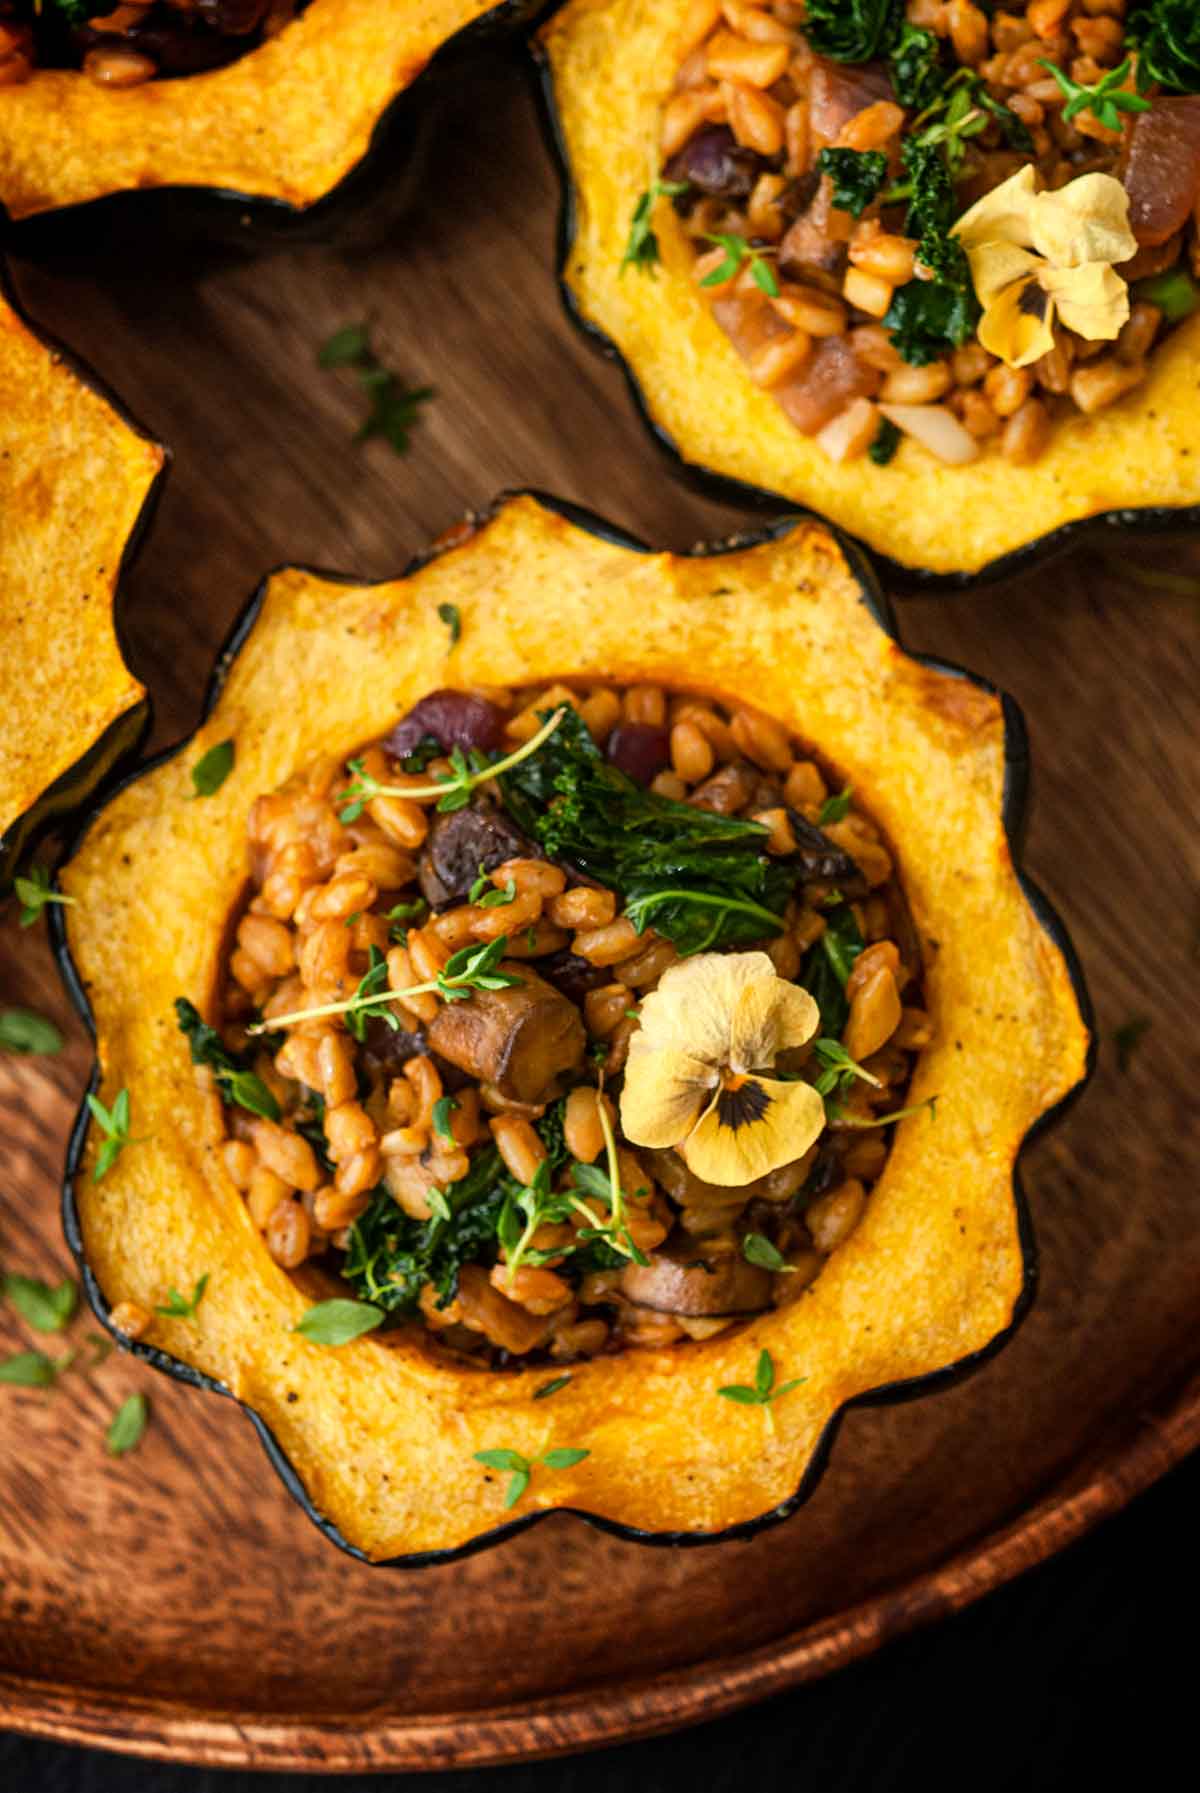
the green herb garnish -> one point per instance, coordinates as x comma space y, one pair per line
443, 1108
234, 1080
471, 968
114, 1125
1128, 1037
552, 1387
22, 1031
886, 1120
916, 68
183, 1307
1175, 293
45, 1308
394, 407
852, 30
827, 965
34, 892
1166, 35
763, 1392
520, 1468
887, 441
485, 895
1106, 99
453, 788
857, 175
33, 1369
390, 1258
212, 769
641, 248
928, 316
758, 1249
836, 808
452, 617
738, 252
838, 1069
339, 1321
128, 1426
702, 880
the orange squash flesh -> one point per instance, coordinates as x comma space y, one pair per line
381, 1434
75, 478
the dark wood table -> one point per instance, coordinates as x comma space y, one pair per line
140, 1599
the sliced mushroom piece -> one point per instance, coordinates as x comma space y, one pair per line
683, 1277
462, 841
522, 1039
688, 1190
818, 860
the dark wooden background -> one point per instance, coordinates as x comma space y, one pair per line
182, 1576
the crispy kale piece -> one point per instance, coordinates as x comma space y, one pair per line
390, 1257
857, 176
702, 880
1166, 35
853, 30
235, 1080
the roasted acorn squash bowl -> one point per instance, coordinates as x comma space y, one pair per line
379, 1437
77, 480
284, 124
608, 70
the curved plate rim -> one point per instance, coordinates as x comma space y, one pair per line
1151, 1443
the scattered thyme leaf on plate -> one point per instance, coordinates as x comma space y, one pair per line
23, 1031
34, 892
394, 407
127, 1427
45, 1308
1128, 1037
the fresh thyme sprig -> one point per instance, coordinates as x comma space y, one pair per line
1106, 99
471, 968
394, 408
453, 788
763, 1392
840, 1118
34, 892
114, 1124
642, 250
520, 1468
738, 252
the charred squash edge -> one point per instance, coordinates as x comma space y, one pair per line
226, 209
1144, 520
1015, 798
125, 736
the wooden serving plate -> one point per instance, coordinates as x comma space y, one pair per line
176, 1603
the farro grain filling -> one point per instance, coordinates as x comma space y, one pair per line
619, 918
833, 162
136, 42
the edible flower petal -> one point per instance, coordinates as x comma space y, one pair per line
752, 1126
694, 1076
1037, 256
665, 1092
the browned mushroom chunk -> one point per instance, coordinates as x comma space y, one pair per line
688, 1190
463, 841
521, 1039
697, 1281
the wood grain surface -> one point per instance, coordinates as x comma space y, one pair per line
176, 1602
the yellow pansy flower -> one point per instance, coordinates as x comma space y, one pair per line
1035, 256
695, 1079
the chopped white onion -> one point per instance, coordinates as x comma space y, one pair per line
851, 432
936, 429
